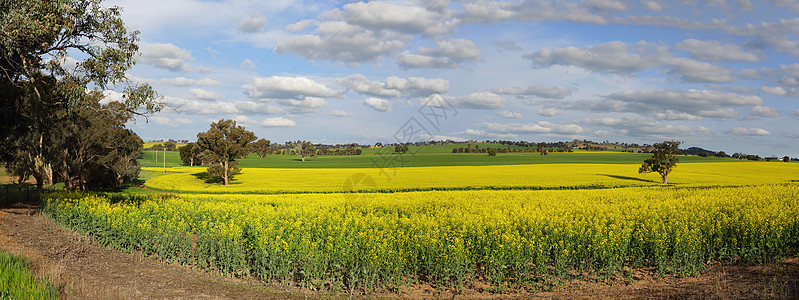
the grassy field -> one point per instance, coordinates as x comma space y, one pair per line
17, 282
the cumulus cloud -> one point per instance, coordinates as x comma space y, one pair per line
672, 116
360, 84
304, 106
548, 112
508, 45
546, 10
203, 94
488, 11
541, 91
449, 54
284, 87
267, 122
394, 86
200, 107
344, 42
483, 133
378, 104
540, 127
252, 24
716, 51
418, 86
646, 127
704, 103
766, 112
379, 15
478, 100
167, 56
509, 115
340, 113
696, 71
750, 131
171, 122
612, 57
183, 81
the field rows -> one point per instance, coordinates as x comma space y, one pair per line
446, 238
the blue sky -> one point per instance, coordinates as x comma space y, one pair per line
722, 75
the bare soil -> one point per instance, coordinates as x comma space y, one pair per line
82, 269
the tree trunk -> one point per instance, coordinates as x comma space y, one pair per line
665, 178
225, 172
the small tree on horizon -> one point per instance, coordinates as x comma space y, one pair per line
304, 149
663, 159
262, 147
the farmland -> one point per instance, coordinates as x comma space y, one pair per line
448, 220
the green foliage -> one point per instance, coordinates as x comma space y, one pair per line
16, 281
262, 147
189, 154
221, 145
46, 111
663, 159
305, 149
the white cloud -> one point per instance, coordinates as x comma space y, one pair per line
252, 24
183, 81
704, 103
418, 86
343, 42
488, 11
340, 113
546, 10
551, 92
171, 122
268, 122
795, 113
510, 115
540, 127
486, 134
247, 64
478, 100
260, 108
653, 5
167, 56
766, 112
697, 71
647, 127
284, 87
672, 115
612, 57
716, 51
305, 106
750, 131
449, 54
548, 112
606, 5
360, 84
203, 94
378, 104
381, 15
200, 107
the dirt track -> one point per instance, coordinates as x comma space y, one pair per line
85, 270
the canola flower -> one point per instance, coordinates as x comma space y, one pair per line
447, 238
534, 176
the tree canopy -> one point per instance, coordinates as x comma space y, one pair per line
663, 159
221, 145
52, 114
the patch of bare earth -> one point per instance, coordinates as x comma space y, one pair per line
84, 270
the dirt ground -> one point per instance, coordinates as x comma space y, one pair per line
84, 270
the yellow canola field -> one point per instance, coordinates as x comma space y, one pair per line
537, 176
446, 238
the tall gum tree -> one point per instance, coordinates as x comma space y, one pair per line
221, 145
37, 38
663, 159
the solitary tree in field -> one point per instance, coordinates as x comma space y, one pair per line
304, 149
663, 159
221, 145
